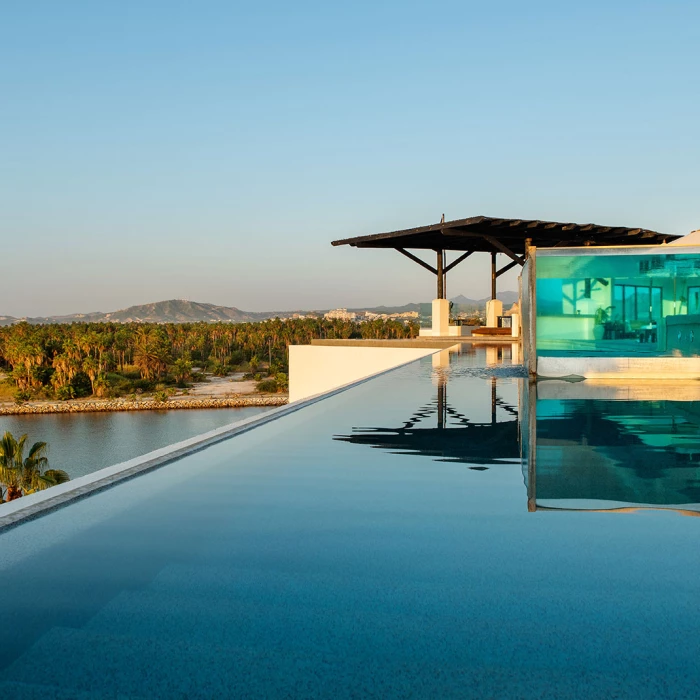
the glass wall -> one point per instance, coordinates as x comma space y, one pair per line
618, 304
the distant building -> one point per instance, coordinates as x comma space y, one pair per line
340, 315
360, 316
403, 316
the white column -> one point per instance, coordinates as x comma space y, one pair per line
515, 325
494, 309
441, 317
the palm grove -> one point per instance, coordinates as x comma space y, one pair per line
65, 361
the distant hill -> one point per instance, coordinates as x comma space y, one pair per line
176, 311
389, 309
506, 297
172, 311
181, 311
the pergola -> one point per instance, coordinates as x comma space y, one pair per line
511, 237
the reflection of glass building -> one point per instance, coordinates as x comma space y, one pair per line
585, 449
612, 311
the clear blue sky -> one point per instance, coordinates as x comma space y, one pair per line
212, 150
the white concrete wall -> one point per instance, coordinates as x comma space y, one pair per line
620, 367
315, 369
616, 390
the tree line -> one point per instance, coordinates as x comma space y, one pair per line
64, 361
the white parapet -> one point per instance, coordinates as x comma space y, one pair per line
316, 369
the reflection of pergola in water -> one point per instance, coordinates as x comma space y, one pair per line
453, 438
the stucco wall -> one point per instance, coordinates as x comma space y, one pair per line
314, 369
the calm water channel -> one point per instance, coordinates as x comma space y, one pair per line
82, 443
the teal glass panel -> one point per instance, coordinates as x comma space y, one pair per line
629, 310
693, 300
656, 303
618, 305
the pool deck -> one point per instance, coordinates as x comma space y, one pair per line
423, 342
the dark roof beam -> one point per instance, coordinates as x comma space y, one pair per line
507, 267
456, 262
416, 259
500, 247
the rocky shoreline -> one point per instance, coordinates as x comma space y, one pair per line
143, 405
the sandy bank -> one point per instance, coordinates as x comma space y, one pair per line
180, 402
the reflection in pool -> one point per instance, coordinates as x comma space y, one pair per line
589, 449
437, 429
584, 445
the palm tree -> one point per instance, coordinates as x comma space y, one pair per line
151, 352
22, 475
92, 368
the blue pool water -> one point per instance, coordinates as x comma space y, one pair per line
367, 546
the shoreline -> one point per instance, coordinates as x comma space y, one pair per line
109, 405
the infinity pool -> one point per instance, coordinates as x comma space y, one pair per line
386, 542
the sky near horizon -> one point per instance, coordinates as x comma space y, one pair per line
211, 151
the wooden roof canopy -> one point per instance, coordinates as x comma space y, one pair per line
512, 237
482, 234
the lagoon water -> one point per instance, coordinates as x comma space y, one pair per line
81, 443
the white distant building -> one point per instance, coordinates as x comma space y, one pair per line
402, 316
340, 315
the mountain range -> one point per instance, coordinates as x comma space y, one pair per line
182, 311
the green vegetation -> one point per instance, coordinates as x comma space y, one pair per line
20, 475
66, 361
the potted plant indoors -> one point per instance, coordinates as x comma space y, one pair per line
599, 321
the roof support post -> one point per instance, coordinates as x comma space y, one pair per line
440, 274
493, 275
442, 405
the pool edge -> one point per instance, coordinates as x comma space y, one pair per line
35, 505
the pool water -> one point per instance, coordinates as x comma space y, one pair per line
366, 546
